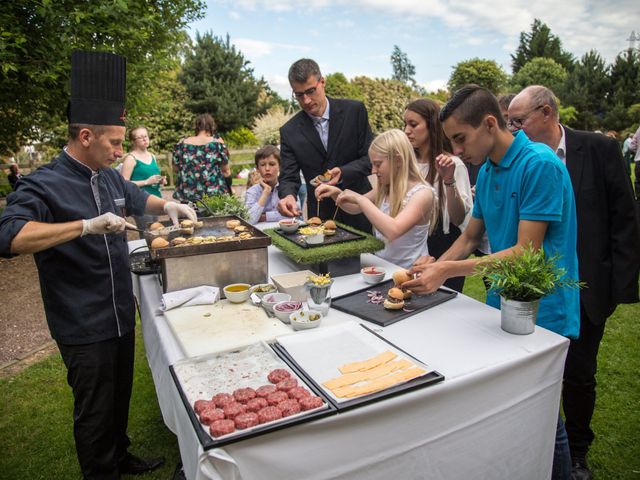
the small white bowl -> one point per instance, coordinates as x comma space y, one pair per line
263, 286
289, 226
270, 299
369, 277
300, 320
239, 296
283, 315
315, 239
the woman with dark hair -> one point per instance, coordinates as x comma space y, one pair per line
201, 162
445, 172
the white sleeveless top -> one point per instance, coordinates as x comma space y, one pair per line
406, 249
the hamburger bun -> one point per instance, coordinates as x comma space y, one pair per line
395, 299
231, 224
156, 226
407, 293
199, 224
178, 241
401, 276
330, 225
186, 230
159, 243
315, 221
240, 229
186, 224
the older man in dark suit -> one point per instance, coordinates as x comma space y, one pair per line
608, 253
327, 135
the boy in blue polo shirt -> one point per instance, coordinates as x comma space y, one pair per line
523, 195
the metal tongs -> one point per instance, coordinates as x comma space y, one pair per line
161, 232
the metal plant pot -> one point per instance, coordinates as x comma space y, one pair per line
518, 317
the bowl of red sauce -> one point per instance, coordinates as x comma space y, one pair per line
373, 275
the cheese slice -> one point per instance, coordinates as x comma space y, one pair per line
379, 384
380, 359
371, 374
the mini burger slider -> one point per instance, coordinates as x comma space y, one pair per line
400, 277
394, 300
330, 227
314, 221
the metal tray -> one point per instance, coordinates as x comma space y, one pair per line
212, 226
420, 382
342, 235
208, 442
355, 303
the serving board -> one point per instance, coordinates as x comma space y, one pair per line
204, 329
341, 235
356, 303
201, 378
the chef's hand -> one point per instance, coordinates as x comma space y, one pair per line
336, 175
288, 207
153, 180
175, 210
429, 277
105, 223
325, 190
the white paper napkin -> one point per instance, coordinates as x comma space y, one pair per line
203, 295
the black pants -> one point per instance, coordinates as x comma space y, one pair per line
637, 180
438, 243
579, 388
101, 376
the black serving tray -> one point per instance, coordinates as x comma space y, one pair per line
430, 378
342, 235
208, 442
355, 303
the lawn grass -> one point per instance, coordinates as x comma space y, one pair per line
36, 437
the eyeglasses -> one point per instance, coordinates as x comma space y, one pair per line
308, 92
517, 123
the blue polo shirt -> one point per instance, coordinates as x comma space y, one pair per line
531, 183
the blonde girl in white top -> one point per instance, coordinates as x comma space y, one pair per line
401, 204
447, 174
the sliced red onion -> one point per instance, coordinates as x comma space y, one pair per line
289, 306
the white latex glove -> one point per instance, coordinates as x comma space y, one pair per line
105, 223
175, 210
153, 180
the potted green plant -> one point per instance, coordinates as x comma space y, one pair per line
223, 205
521, 281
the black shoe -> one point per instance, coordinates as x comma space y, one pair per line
133, 465
580, 470
178, 474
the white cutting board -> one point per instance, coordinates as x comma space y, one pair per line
223, 326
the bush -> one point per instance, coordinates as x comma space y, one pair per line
220, 205
267, 126
240, 137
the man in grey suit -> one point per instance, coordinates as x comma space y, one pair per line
608, 254
328, 135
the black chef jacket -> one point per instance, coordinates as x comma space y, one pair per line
86, 283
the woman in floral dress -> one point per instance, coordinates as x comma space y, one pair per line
201, 163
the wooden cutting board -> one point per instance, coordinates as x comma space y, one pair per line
223, 326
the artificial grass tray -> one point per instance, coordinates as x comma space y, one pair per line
368, 244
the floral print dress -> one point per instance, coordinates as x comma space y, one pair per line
199, 170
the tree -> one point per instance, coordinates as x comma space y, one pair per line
338, 86
385, 101
403, 69
587, 88
540, 42
540, 71
624, 90
36, 44
219, 81
486, 73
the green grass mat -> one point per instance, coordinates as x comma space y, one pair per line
369, 244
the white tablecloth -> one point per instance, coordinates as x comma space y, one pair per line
493, 417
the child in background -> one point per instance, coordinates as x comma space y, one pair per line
400, 206
262, 198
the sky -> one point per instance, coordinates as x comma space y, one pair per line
357, 37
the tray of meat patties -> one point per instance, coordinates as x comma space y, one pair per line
207, 235
369, 303
324, 233
231, 396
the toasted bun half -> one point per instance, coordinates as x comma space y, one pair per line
393, 305
156, 226
232, 224
401, 276
159, 243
